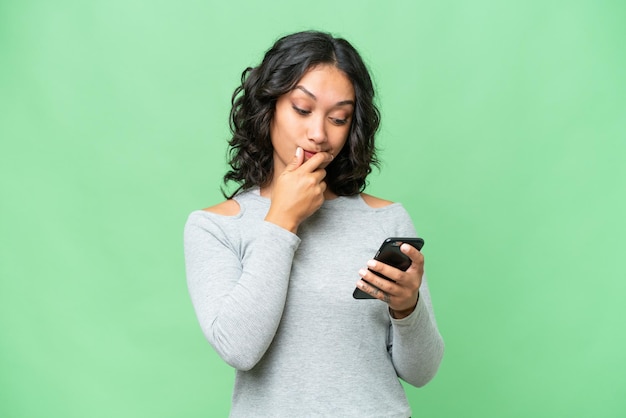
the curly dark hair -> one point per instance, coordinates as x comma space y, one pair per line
254, 102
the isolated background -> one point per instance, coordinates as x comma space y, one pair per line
504, 134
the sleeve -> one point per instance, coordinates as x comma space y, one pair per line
415, 344
238, 299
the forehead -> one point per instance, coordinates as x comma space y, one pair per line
327, 82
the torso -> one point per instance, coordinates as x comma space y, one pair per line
324, 334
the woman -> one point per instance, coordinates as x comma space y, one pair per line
271, 270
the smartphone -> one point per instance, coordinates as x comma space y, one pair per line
389, 253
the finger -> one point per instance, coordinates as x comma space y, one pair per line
414, 254
373, 291
381, 283
386, 270
297, 160
319, 160
318, 175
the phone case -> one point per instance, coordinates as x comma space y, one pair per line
389, 253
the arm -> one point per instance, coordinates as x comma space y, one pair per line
414, 343
238, 302
416, 347
239, 289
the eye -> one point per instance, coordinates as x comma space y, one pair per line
301, 111
339, 122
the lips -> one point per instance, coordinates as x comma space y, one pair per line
309, 154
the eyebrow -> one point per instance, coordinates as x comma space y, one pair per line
311, 95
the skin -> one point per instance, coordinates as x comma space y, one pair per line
310, 125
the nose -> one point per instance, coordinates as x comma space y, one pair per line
316, 130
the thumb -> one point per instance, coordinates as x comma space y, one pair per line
297, 160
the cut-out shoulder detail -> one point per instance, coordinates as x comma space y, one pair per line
375, 202
228, 207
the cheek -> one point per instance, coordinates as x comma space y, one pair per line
283, 133
277, 127
340, 137
283, 125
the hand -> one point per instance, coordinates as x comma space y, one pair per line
299, 190
402, 295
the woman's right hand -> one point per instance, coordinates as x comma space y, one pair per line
299, 190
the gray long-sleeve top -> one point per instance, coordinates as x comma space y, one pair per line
278, 307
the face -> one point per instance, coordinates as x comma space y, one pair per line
315, 115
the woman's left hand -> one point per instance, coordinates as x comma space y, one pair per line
401, 294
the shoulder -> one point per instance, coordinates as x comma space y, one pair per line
214, 218
392, 215
375, 202
218, 222
228, 207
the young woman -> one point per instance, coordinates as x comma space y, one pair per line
272, 269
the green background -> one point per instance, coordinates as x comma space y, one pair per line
504, 134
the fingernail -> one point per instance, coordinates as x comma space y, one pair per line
362, 272
371, 263
298, 152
